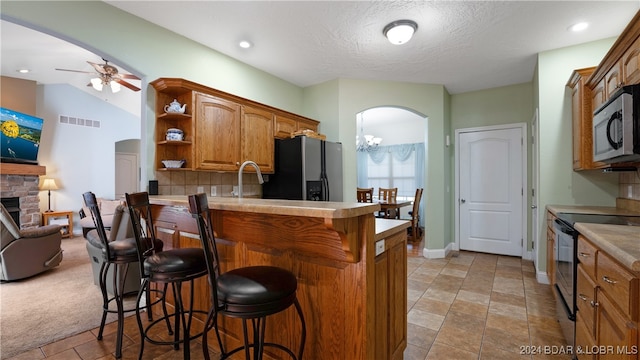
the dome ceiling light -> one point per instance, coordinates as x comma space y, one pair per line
400, 31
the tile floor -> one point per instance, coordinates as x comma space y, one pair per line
469, 306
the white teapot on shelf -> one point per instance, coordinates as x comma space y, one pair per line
175, 107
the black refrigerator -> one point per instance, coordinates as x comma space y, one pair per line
306, 169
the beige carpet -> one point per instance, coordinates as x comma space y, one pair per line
52, 305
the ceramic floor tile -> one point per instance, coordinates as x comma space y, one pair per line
425, 319
473, 297
441, 351
469, 306
432, 306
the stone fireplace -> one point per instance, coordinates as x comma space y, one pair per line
22, 182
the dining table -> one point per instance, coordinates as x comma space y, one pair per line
386, 205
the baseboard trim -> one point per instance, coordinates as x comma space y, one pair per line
542, 277
437, 253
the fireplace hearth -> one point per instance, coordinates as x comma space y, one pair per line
12, 204
25, 189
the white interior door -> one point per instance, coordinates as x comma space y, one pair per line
126, 174
491, 190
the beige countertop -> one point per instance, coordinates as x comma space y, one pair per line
619, 241
387, 227
323, 209
601, 210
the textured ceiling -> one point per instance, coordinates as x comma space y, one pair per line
463, 45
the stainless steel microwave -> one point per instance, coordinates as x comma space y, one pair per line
616, 128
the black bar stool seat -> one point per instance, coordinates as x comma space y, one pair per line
256, 291
175, 264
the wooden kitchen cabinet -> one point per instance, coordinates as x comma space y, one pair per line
631, 64
607, 300
391, 298
221, 130
286, 125
581, 115
619, 67
257, 142
217, 128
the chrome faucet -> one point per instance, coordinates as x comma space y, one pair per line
255, 166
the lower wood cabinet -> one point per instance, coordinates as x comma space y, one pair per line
607, 301
391, 298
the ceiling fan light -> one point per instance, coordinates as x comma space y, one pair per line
96, 83
400, 32
115, 87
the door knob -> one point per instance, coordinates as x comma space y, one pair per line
534, 206
463, 201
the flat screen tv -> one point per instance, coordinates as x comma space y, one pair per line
19, 136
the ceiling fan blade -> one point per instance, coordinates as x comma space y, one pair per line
78, 71
128, 76
126, 84
99, 68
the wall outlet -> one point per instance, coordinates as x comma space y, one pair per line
379, 247
214, 191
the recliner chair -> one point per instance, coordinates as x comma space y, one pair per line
27, 252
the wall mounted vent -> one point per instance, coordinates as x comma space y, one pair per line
70, 120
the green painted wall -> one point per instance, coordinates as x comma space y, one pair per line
559, 184
498, 106
344, 98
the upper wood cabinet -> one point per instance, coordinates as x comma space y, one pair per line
221, 130
257, 138
217, 128
286, 125
581, 112
619, 67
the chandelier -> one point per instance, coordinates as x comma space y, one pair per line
366, 142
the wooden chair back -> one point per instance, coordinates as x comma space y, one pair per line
415, 231
365, 195
387, 194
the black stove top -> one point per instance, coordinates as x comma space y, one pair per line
571, 219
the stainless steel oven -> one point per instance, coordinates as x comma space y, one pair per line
566, 266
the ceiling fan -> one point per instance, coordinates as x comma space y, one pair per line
108, 75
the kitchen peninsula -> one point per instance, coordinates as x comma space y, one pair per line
351, 269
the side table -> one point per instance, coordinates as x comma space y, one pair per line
62, 218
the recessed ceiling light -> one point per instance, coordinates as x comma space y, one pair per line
579, 26
23, 71
245, 44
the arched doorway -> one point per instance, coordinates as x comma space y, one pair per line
390, 145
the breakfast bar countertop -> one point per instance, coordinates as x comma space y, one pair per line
323, 209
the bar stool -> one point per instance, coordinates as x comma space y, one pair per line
117, 252
169, 267
249, 293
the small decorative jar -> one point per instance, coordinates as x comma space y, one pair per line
174, 134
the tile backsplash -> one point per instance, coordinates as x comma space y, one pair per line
629, 185
191, 182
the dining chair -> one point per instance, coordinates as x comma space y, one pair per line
388, 195
414, 232
365, 195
